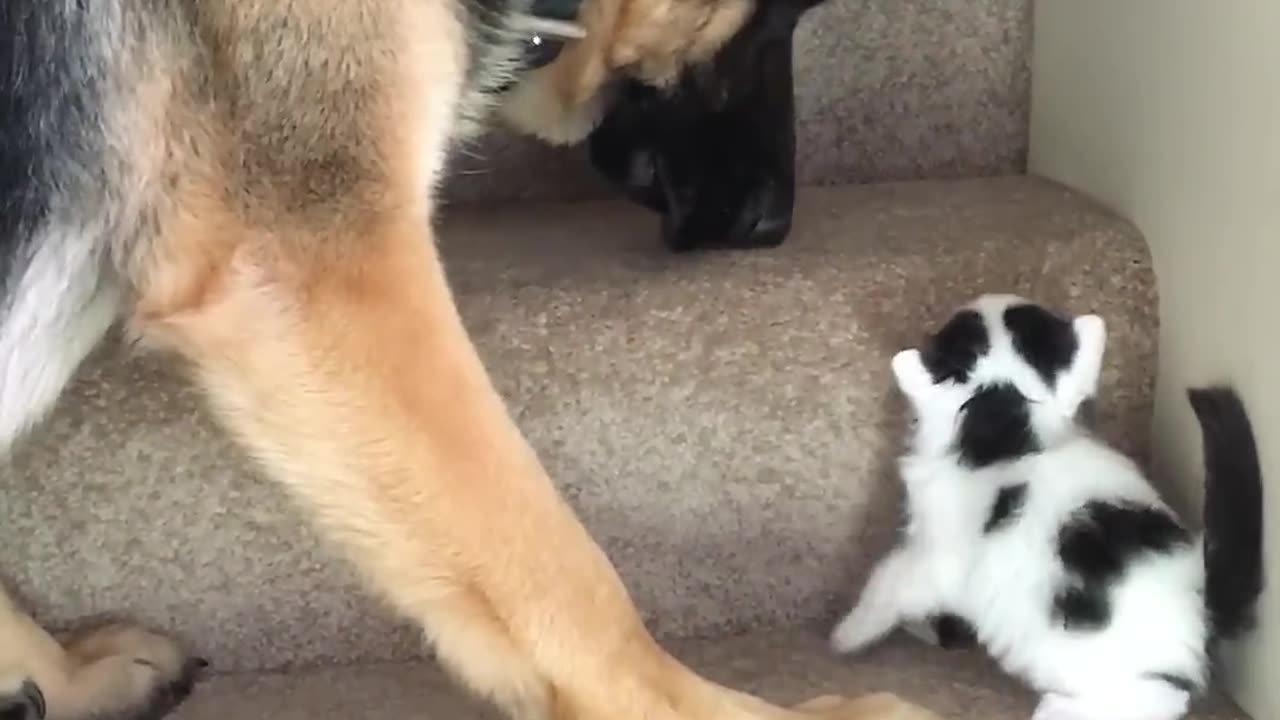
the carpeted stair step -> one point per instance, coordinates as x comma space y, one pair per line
782, 666
722, 421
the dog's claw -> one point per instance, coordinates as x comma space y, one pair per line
25, 704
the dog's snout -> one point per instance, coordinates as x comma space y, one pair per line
757, 218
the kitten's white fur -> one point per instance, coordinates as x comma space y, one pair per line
1004, 583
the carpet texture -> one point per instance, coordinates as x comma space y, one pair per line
783, 666
724, 423
721, 421
885, 90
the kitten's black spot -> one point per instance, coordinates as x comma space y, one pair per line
1006, 508
1179, 682
954, 632
951, 353
1098, 545
1105, 536
1083, 608
1047, 342
996, 427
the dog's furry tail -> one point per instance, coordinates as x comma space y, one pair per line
1233, 512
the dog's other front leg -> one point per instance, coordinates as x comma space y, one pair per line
351, 377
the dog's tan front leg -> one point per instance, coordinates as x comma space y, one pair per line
351, 377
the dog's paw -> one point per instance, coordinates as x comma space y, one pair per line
162, 689
21, 699
130, 673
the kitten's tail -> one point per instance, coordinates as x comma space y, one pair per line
1232, 509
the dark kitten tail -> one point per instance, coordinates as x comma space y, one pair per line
1232, 510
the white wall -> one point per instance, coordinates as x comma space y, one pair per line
1168, 111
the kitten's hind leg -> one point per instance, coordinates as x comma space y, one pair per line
115, 672
1139, 700
900, 588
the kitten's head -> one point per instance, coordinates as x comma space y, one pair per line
1003, 377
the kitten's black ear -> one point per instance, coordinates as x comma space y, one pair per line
1080, 380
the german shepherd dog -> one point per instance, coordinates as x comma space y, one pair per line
248, 185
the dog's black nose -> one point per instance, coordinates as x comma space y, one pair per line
772, 209
26, 704
760, 218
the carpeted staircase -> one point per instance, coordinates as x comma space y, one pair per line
723, 422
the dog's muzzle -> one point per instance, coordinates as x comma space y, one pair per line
714, 155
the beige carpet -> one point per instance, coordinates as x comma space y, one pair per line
785, 667
721, 421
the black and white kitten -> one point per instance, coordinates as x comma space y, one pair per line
1047, 546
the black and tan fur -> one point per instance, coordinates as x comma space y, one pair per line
248, 186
